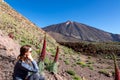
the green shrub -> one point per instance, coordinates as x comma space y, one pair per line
90, 67
82, 64
89, 62
104, 72
60, 58
67, 62
109, 67
47, 61
48, 64
73, 65
76, 77
89, 57
71, 72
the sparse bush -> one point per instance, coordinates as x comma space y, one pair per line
73, 65
113, 73
82, 64
104, 72
60, 58
109, 67
76, 77
89, 57
47, 61
71, 72
90, 67
67, 62
89, 62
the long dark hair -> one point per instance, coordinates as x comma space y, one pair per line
23, 50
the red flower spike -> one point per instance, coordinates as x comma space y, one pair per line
43, 53
56, 55
117, 71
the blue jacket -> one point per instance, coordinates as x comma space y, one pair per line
22, 69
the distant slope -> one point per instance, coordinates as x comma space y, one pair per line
73, 31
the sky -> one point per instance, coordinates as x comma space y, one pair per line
101, 14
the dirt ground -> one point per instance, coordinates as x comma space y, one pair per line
91, 68
83, 66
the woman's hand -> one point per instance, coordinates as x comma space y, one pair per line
30, 57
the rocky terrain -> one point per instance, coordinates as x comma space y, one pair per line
9, 50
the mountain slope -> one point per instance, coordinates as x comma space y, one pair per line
24, 30
74, 31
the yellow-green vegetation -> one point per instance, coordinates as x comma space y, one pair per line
24, 31
85, 64
74, 75
26, 34
67, 62
71, 72
89, 62
68, 50
82, 64
109, 67
105, 72
48, 61
90, 67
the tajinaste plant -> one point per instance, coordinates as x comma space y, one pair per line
54, 65
56, 55
42, 56
117, 71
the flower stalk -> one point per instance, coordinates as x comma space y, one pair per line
42, 57
117, 71
56, 55
43, 53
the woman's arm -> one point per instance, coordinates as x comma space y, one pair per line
27, 67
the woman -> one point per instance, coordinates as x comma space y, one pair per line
25, 65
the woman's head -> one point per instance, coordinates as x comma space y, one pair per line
25, 51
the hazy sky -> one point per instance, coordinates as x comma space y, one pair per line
101, 14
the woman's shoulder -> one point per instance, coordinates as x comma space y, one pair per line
19, 62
